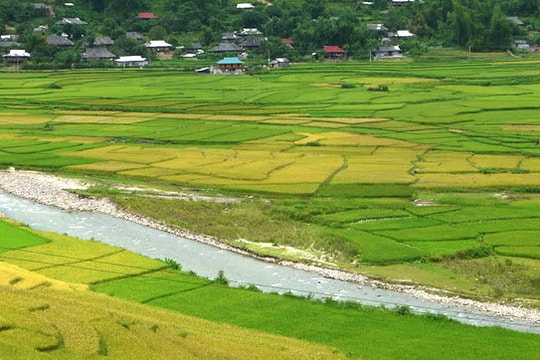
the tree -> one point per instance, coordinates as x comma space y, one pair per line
461, 25
157, 33
500, 31
125, 8
253, 19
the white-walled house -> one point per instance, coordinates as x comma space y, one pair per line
131, 61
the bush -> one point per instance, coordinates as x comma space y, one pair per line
172, 264
378, 88
53, 86
348, 86
402, 310
221, 279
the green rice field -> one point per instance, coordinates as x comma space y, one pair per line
443, 169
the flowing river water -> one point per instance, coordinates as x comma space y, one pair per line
207, 261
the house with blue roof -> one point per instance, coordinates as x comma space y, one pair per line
231, 65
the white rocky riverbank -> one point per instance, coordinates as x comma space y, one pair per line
55, 191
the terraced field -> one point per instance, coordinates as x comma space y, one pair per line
438, 174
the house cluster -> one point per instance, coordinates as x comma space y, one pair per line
98, 49
389, 48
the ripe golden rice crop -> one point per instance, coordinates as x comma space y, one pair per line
93, 119
306, 169
87, 112
531, 164
12, 275
496, 161
476, 180
22, 119
445, 162
133, 154
333, 150
108, 166
286, 121
348, 120
364, 170
346, 138
148, 172
327, 124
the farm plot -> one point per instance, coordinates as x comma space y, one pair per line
13, 236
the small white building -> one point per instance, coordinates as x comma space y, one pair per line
245, 6
521, 44
403, 34
131, 61
280, 62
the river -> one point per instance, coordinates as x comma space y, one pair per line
207, 261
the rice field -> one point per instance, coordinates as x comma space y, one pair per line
157, 312
457, 142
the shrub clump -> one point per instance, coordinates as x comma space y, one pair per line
378, 88
54, 86
348, 86
172, 264
221, 279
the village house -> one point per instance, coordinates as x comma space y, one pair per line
41, 10
104, 41
97, 53
387, 52
16, 58
515, 20
146, 16
229, 36
161, 48
131, 61
403, 34
279, 63
376, 27
134, 35
521, 44
401, 2
227, 48
57, 40
245, 6
231, 65
333, 52
71, 21
253, 43
288, 42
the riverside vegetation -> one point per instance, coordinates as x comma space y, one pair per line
434, 181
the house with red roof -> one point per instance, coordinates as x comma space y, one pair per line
333, 52
146, 16
288, 42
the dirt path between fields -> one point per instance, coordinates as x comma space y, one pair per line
56, 191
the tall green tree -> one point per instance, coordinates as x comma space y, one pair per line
500, 31
462, 26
